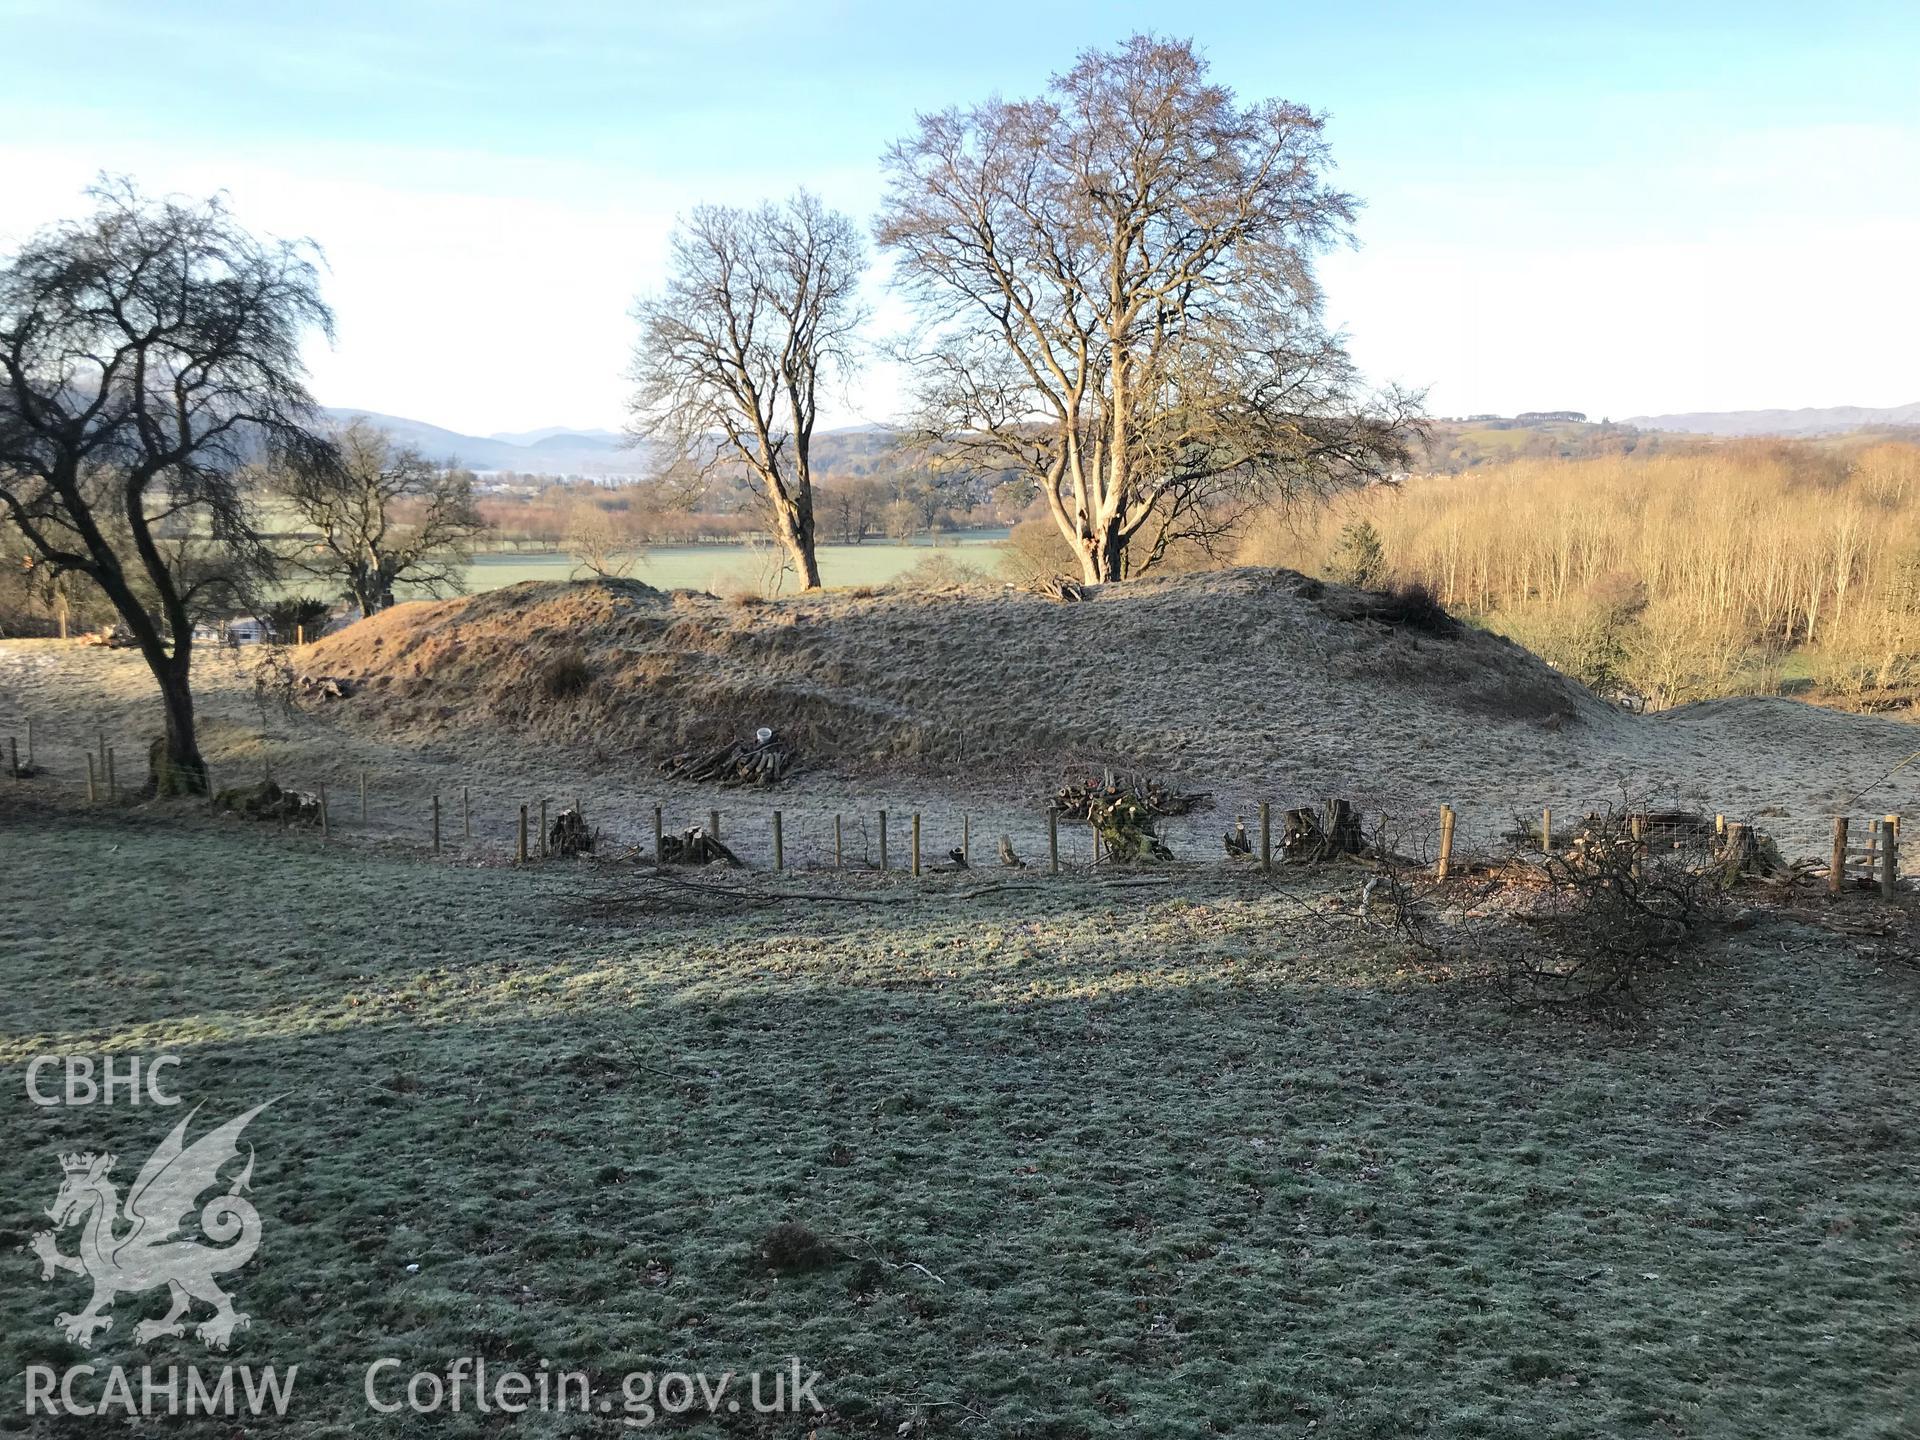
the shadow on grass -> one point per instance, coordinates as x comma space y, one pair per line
1121, 1165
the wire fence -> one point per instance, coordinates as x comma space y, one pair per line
483, 823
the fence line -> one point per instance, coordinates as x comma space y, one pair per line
1440, 836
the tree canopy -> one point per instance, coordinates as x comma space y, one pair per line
149, 354
1116, 297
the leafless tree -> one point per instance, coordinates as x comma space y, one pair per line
853, 507
1117, 301
758, 312
598, 545
378, 515
148, 353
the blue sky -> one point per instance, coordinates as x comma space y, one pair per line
1621, 208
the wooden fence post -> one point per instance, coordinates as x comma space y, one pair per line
466, 814
93, 794
299, 636
1053, 842
1445, 862
916, 844
966, 841
713, 824
102, 747
659, 839
1546, 831
1266, 837
1637, 828
779, 852
520, 849
836, 843
883, 842
1889, 856
436, 824
326, 827
1837, 865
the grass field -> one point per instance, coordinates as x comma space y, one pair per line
1087, 1160
720, 567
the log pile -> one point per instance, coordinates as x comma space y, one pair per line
762, 761
568, 834
1079, 801
695, 847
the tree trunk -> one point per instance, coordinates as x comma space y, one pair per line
1102, 554
174, 761
796, 533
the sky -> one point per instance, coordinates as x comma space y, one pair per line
1622, 209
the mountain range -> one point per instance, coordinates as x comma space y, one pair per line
1833, 420
557, 451
552, 451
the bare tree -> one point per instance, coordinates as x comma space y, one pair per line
758, 311
853, 507
147, 354
598, 545
1117, 301
380, 515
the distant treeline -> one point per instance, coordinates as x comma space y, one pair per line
1719, 569
849, 510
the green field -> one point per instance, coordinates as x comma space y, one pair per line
1082, 1161
722, 567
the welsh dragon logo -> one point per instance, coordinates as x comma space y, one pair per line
145, 1246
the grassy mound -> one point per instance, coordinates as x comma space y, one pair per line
1204, 672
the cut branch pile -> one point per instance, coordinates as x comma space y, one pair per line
695, 847
325, 687
267, 801
1078, 802
1125, 827
1058, 587
1663, 829
748, 762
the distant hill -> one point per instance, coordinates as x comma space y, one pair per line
536, 452
556, 451
1453, 446
1833, 420
534, 437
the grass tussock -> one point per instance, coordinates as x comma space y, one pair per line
566, 675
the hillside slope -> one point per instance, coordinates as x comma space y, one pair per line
1248, 684
1210, 674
